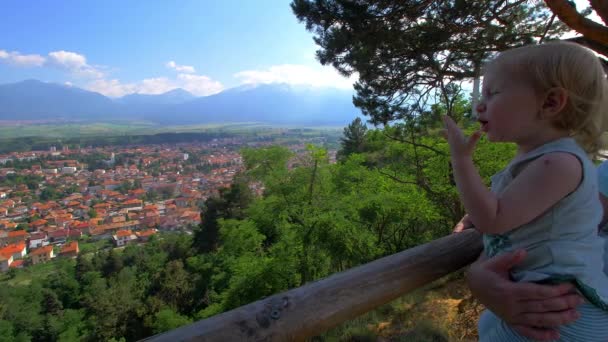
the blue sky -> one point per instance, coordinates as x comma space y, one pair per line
121, 47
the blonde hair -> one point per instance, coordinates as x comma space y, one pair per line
575, 69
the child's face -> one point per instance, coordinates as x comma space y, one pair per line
508, 107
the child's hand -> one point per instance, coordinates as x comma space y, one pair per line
460, 146
464, 223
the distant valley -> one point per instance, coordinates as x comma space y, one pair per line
34, 100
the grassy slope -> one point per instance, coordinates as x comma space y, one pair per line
442, 311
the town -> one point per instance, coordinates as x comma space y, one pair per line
64, 200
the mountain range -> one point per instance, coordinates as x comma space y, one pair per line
269, 103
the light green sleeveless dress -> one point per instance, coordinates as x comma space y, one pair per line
563, 246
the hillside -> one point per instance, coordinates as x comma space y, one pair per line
442, 311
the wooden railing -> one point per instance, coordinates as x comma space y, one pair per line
311, 309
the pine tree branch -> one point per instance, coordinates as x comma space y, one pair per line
396, 179
569, 16
601, 8
413, 143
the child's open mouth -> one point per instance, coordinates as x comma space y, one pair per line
484, 124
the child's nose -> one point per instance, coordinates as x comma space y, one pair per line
480, 108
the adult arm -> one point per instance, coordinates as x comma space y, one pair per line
534, 311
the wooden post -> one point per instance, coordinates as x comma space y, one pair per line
318, 306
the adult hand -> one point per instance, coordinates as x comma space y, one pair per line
534, 311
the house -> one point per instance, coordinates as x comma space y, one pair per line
58, 236
42, 254
150, 219
70, 249
115, 219
81, 226
38, 224
183, 202
122, 237
145, 235
17, 250
137, 193
74, 233
38, 240
132, 204
7, 225
17, 264
111, 185
8, 204
168, 223
16, 236
63, 219
99, 233
5, 262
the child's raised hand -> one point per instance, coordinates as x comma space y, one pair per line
460, 146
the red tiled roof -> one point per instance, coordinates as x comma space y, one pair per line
42, 250
75, 233
37, 236
58, 233
17, 263
80, 225
123, 233
70, 247
17, 233
118, 225
146, 233
40, 222
12, 249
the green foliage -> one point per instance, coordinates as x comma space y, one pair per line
92, 213
175, 287
31, 181
353, 140
6, 331
229, 204
49, 193
167, 319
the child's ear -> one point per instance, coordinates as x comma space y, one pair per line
555, 100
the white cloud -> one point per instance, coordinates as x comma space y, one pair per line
199, 85
180, 68
196, 84
16, 58
112, 88
74, 63
320, 76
